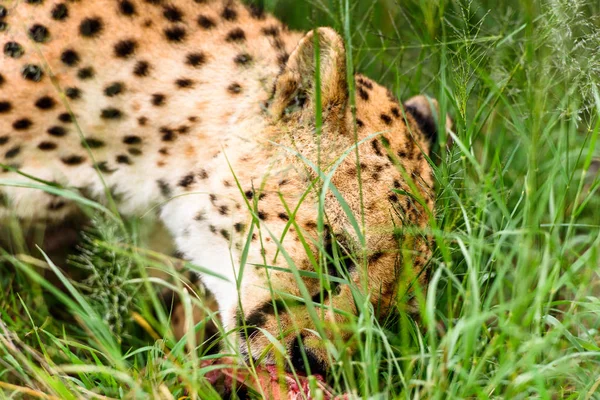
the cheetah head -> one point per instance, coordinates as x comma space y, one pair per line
348, 227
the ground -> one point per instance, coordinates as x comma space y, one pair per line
511, 308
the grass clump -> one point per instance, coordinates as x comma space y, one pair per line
106, 273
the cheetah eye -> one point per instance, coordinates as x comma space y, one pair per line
297, 103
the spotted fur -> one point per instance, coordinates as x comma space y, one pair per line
206, 109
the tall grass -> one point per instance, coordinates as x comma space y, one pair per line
512, 307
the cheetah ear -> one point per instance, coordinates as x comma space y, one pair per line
295, 87
425, 112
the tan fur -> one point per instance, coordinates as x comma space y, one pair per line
226, 127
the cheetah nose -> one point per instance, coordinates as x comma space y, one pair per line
304, 360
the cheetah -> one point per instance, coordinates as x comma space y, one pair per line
234, 131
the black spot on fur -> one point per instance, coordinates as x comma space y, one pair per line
310, 225
376, 148
34, 1
3, 26
229, 13
57, 205
73, 93
142, 121
257, 11
3, 11
142, 68
203, 174
90, 27
126, 7
114, 89
362, 81
92, 143
375, 256
239, 227
249, 194
103, 167
59, 12
2, 80
158, 99
186, 181
134, 152
123, 159
168, 135
270, 31
283, 58
184, 83
57, 131
5, 106
39, 33
3, 140
47, 146
22, 124
395, 112
175, 34
225, 234
283, 216
111, 113
363, 94
32, 72
243, 59
13, 50
164, 187
278, 43
386, 119
234, 88
125, 48
262, 215
70, 57
72, 160
200, 216
65, 117
236, 35
85, 73
195, 59
13, 152
132, 139
45, 103
172, 13
206, 22
359, 123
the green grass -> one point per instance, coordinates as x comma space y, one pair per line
512, 310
